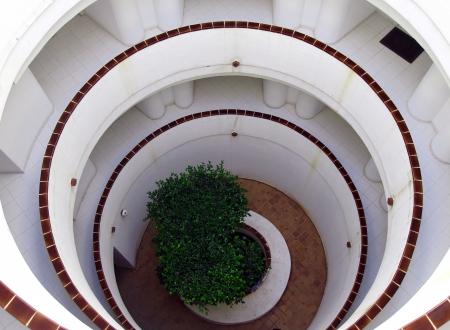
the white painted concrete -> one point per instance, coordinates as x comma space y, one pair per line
371, 171
184, 94
111, 97
429, 96
275, 93
307, 106
120, 17
429, 296
22, 282
153, 106
83, 184
288, 13
393, 74
147, 12
383, 203
169, 13
441, 119
25, 114
338, 17
269, 293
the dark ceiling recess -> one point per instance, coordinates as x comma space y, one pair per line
402, 44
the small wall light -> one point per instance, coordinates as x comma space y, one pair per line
124, 213
234, 134
113, 229
349, 245
236, 64
390, 201
73, 182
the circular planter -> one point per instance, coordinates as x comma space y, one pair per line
269, 290
258, 238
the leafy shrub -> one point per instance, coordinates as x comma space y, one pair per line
196, 215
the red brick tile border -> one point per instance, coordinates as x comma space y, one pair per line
23, 312
433, 319
414, 162
267, 254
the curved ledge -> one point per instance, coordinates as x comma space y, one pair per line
261, 301
23, 312
433, 319
234, 112
415, 210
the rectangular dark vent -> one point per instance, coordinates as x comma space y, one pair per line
402, 44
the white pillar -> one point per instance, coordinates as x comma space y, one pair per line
441, 119
288, 13
371, 171
153, 106
24, 116
169, 13
274, 93
429, 96
338, 17
383, 202
184, 94
128, 21
308, 106
440, 145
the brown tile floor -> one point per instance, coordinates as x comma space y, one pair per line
152, 307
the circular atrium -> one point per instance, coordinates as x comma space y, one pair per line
334, 114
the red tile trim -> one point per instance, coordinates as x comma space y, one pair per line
23, 312
417, 177
433, 319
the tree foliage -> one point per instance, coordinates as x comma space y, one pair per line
196, 214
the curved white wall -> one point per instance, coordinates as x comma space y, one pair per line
208, 53
428, 14
264, 151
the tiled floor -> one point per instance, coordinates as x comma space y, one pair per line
81, 47
153, 308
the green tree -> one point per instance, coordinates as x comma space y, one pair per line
196, 215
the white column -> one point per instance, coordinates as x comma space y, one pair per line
308, 106
184, 94
371, 171
441, 119
288, 13
274, 93
153, 106
169, 13
440, 145
383, 202
24, 116
338, 17
128, 21
429, 96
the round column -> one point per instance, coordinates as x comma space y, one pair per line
383, 202
128, 21
429, 96
184, 94
338, 17
440, 145
169, 13
274, 93
153, 106
288, 13
371, 171
307, 106
331, 19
